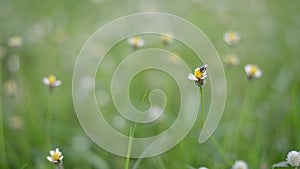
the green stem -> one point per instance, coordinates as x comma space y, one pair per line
2, 138
49, 120
202, 105
60, 165
129, 148
220, 150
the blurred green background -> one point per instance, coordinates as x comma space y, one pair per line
261, 118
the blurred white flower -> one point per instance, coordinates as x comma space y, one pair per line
252, 71
10, 88
231, 38
240, 164
203, 168
231, 60
51, 81
199, 75
293, 158
136, 42
55, 156
15, 122
167, 38
15, 41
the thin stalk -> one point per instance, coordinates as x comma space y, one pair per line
2, 138
218, 147
49, 120
60, 165
202, 105
129, 148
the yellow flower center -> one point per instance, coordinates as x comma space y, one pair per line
166, 38
55, 156
232, 36
198, 74
253, 70
136, 40
52, 79
231, 59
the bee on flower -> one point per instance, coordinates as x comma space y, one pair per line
199, 75
51, 82
55, 156
231, 38
15, 41
136, 42
240, 164
167, 38
231, 60
252, 71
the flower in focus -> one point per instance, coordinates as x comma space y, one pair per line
231, 38
51, 81
199, 75
203, 168
240, 164
136, 42
167, 38
15, 41
55, 156
231, 60
293, 158
252, 71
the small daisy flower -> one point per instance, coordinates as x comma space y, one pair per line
51, 81
199, 75
15, 41
136, 42
240, 164
167, 38
252, 71
231, 60
231, 38
55, 156
293, 158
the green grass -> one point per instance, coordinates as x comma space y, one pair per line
260, 122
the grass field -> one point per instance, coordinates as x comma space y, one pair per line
261, 117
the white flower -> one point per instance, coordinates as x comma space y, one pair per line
51, 81
167, 38
253, 71
15, 41
203, 168
240, 164
136, 42
55, 156
293, 158
199, 75
231, 38
231, 60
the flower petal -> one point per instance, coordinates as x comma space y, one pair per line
57, 83
192, 77
46, 81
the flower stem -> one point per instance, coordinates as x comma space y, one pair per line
3, 159
49, 121
218, 147
202, 105
131, 135
60, 165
